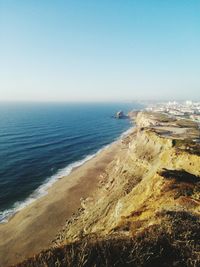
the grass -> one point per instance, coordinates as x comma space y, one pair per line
187, 145
175, 242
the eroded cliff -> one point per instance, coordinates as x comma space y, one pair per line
147, 207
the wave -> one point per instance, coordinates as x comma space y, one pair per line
42, 190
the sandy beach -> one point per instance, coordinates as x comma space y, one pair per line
34, 227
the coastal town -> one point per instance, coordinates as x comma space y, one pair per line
187, 109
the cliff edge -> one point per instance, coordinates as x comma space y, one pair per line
146, 211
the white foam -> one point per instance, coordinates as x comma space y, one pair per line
124, 134
42, 190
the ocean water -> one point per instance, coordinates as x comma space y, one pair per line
39, 143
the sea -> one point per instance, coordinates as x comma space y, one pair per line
42, 142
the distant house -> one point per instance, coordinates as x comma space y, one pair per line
195, 117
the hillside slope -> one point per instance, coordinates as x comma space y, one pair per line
146, 211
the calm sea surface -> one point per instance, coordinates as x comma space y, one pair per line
41, 142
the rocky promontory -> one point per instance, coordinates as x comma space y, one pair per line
121, 115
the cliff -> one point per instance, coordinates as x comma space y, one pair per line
146, 210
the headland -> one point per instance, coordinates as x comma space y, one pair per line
141, 205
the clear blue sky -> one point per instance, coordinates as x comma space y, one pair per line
91, 50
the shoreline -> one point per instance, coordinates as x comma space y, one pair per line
42, 190
17, 237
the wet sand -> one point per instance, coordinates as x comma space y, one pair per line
34, 227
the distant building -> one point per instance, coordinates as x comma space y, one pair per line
195, 117
188, 103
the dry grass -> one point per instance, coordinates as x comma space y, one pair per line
173, 243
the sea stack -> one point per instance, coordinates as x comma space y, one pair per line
120, 115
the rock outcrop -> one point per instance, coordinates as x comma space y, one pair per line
120, 115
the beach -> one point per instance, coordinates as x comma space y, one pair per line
34, 227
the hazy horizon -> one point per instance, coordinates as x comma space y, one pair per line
139, 101
99, 51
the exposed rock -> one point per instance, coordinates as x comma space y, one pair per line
120, 115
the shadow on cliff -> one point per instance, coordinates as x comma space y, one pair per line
180, 176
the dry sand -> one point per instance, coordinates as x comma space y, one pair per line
33, 228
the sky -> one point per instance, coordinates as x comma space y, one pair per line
99, 50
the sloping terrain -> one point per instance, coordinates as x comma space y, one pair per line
146, 211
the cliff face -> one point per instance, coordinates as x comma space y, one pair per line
146, 210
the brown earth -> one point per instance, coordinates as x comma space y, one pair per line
33, 228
